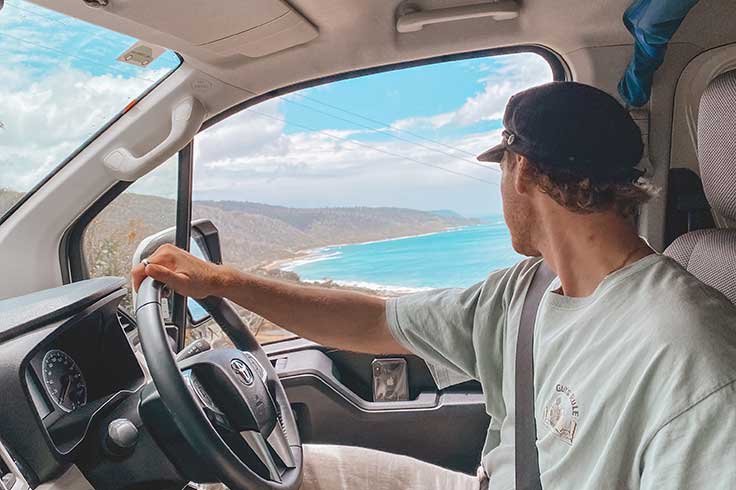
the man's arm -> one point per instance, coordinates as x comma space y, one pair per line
337, 318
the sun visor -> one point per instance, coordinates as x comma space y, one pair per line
225, 26
290, 29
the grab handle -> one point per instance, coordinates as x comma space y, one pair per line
186, 118
414, 20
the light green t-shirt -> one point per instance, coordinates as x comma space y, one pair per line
635, 385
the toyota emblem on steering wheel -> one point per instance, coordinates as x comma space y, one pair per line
243, 371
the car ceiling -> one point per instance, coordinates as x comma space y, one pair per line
355, 34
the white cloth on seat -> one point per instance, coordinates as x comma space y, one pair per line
328, 467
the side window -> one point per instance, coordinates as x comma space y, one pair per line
369, 183
146, 207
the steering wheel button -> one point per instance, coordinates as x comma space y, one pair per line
256, 365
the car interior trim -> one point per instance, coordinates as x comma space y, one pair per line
71, 251
183, 226
21, 314
315, 365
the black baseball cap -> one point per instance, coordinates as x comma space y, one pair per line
572, 128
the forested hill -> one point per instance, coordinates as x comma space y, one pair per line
252, 234
7, 199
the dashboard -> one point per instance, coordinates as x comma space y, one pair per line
69, 374
67, 368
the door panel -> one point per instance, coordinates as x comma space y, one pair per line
330, 392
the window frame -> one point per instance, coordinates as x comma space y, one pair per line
71, 248
183, 233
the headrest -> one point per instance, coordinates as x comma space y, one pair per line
717, 144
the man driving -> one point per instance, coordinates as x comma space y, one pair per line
634, 375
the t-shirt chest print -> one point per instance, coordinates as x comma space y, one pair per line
561, 413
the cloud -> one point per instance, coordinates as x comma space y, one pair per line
325, 169
59, 88
51, 104
256, 144
506, 76
253, 156
434, 122
46, 119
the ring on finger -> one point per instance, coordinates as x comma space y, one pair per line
145, 262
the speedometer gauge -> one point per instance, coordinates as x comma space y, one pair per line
63, 380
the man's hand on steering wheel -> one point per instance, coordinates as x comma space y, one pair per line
182, 272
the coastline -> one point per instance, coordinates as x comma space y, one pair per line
315, 252
385, 290
456, 259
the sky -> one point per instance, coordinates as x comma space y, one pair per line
405, 138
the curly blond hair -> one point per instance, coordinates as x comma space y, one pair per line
586, 196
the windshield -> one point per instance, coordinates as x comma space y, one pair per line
61, 81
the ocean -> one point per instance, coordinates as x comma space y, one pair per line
454, 258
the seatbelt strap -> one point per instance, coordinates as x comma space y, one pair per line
527, 459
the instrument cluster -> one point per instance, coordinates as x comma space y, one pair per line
79, 371
63, 380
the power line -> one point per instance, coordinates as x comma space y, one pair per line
380, 130
62, 22
110, 67
396, 155
384, 124
36, 13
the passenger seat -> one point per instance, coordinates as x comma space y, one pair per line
710, 254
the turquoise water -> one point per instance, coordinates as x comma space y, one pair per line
455, 258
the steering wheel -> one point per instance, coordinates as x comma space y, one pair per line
229, 404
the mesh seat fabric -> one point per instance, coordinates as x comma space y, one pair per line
710, 255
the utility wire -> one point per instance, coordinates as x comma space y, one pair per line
396, 155
87, 60
384, 124
36, 13
61, 21
382, 131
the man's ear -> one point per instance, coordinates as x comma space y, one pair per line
522, 177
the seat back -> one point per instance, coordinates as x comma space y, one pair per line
710, 255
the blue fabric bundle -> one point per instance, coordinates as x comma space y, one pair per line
652, 23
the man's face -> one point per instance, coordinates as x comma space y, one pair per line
517, 210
